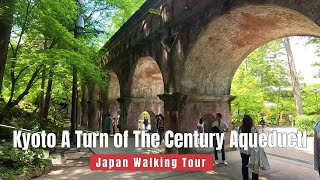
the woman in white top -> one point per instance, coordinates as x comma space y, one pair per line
247, 127
200, 126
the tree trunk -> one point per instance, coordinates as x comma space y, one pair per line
11, 103
5, 25
41, 101
32, 80
294, 78
79, 111
48, 96
74, 105
84, 106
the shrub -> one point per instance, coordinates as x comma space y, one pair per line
306, 123
14, 161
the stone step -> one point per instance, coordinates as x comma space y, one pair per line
57, 159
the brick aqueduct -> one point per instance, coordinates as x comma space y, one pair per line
178, 57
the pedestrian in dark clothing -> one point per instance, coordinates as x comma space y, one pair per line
114, 125
262, 123
247, 127
161, 126
108, 123
146, 123
316, 146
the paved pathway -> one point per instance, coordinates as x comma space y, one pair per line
308, 149
282, 168
286, 163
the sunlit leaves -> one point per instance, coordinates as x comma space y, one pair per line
316, 42
261, 84
47, 39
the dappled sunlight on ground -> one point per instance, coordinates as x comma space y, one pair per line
212, 172
263, 178
56, 172
284, 163
281, 168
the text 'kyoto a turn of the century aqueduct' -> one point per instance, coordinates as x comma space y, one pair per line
178, 57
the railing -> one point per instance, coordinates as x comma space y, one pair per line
11, 127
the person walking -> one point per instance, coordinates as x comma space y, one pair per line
262, 123
247, 127
222, 127
316, 147
146, 123
157, 123
108, 123
161, 126
200, 126
118, 124
114, 126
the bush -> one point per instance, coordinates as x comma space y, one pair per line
34, 123
306, 123
14, 161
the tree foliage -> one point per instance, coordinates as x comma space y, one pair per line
43, 40
262, 85
44, 48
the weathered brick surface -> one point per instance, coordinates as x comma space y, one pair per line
194, 47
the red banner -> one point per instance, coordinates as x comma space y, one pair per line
152, 162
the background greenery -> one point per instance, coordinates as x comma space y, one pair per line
42, 52
263, 88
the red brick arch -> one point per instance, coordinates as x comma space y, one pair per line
146, 79
227, 40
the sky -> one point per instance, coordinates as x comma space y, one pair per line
304, 57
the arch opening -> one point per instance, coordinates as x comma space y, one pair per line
149, 124
113, 95
146, 83
228, 39
263, 83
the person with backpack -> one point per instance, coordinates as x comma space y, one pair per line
220, 126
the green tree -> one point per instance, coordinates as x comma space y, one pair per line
43, 39
42, 50
249, 94
316, 42
260, 84
6, 16
294, 77
310, 98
